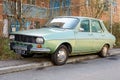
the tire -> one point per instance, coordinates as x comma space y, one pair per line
27, 55
104, 52
60, 56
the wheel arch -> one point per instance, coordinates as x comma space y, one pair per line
107, 45
68, 45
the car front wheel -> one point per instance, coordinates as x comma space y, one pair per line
60, 56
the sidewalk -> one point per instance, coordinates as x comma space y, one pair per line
7, 63
9, 66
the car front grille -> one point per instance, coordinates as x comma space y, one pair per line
24, 38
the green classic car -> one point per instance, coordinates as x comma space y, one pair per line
64, 36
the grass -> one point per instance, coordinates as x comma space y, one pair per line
116, 33
5, 52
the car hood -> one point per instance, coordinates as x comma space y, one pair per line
41, 32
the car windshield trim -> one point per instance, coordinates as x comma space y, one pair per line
65, 23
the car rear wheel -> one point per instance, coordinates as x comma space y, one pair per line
60, 56
104, 52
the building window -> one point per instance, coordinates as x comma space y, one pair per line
31, 2
87, 3
106, 5
114, 6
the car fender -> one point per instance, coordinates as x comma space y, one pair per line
54, 44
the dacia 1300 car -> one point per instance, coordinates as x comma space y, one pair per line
64, 36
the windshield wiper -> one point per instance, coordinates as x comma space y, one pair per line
44, 26
55, 26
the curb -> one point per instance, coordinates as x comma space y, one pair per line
44, 64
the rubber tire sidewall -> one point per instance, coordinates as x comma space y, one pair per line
54, 56
101, 53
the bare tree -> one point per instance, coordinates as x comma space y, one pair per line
91, 8
98, 8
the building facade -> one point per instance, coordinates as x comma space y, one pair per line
90, 8
21, 14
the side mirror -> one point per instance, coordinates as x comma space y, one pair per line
81, 29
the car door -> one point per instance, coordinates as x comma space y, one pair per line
98, 34
84, 39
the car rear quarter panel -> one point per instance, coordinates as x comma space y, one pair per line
111, 40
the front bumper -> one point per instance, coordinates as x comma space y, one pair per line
28, 49
40, 50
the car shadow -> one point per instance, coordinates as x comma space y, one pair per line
113, 57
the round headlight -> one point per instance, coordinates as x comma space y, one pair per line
12, 37
40, 40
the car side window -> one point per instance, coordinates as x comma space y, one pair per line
85, 25
95, 26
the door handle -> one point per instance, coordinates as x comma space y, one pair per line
103, 34
90, 34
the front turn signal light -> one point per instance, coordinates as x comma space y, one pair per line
39, 46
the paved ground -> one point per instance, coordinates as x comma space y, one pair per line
21, 61
41, 62
38, 59
97, 69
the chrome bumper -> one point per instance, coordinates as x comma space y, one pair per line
40, 50
29, 50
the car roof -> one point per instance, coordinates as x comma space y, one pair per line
79, 17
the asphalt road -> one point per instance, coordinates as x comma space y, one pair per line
97, 69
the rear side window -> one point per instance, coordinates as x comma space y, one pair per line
95, 26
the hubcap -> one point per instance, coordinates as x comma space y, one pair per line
61, 56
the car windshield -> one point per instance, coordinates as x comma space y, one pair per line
65, 23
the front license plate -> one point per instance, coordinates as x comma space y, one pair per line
20, 48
